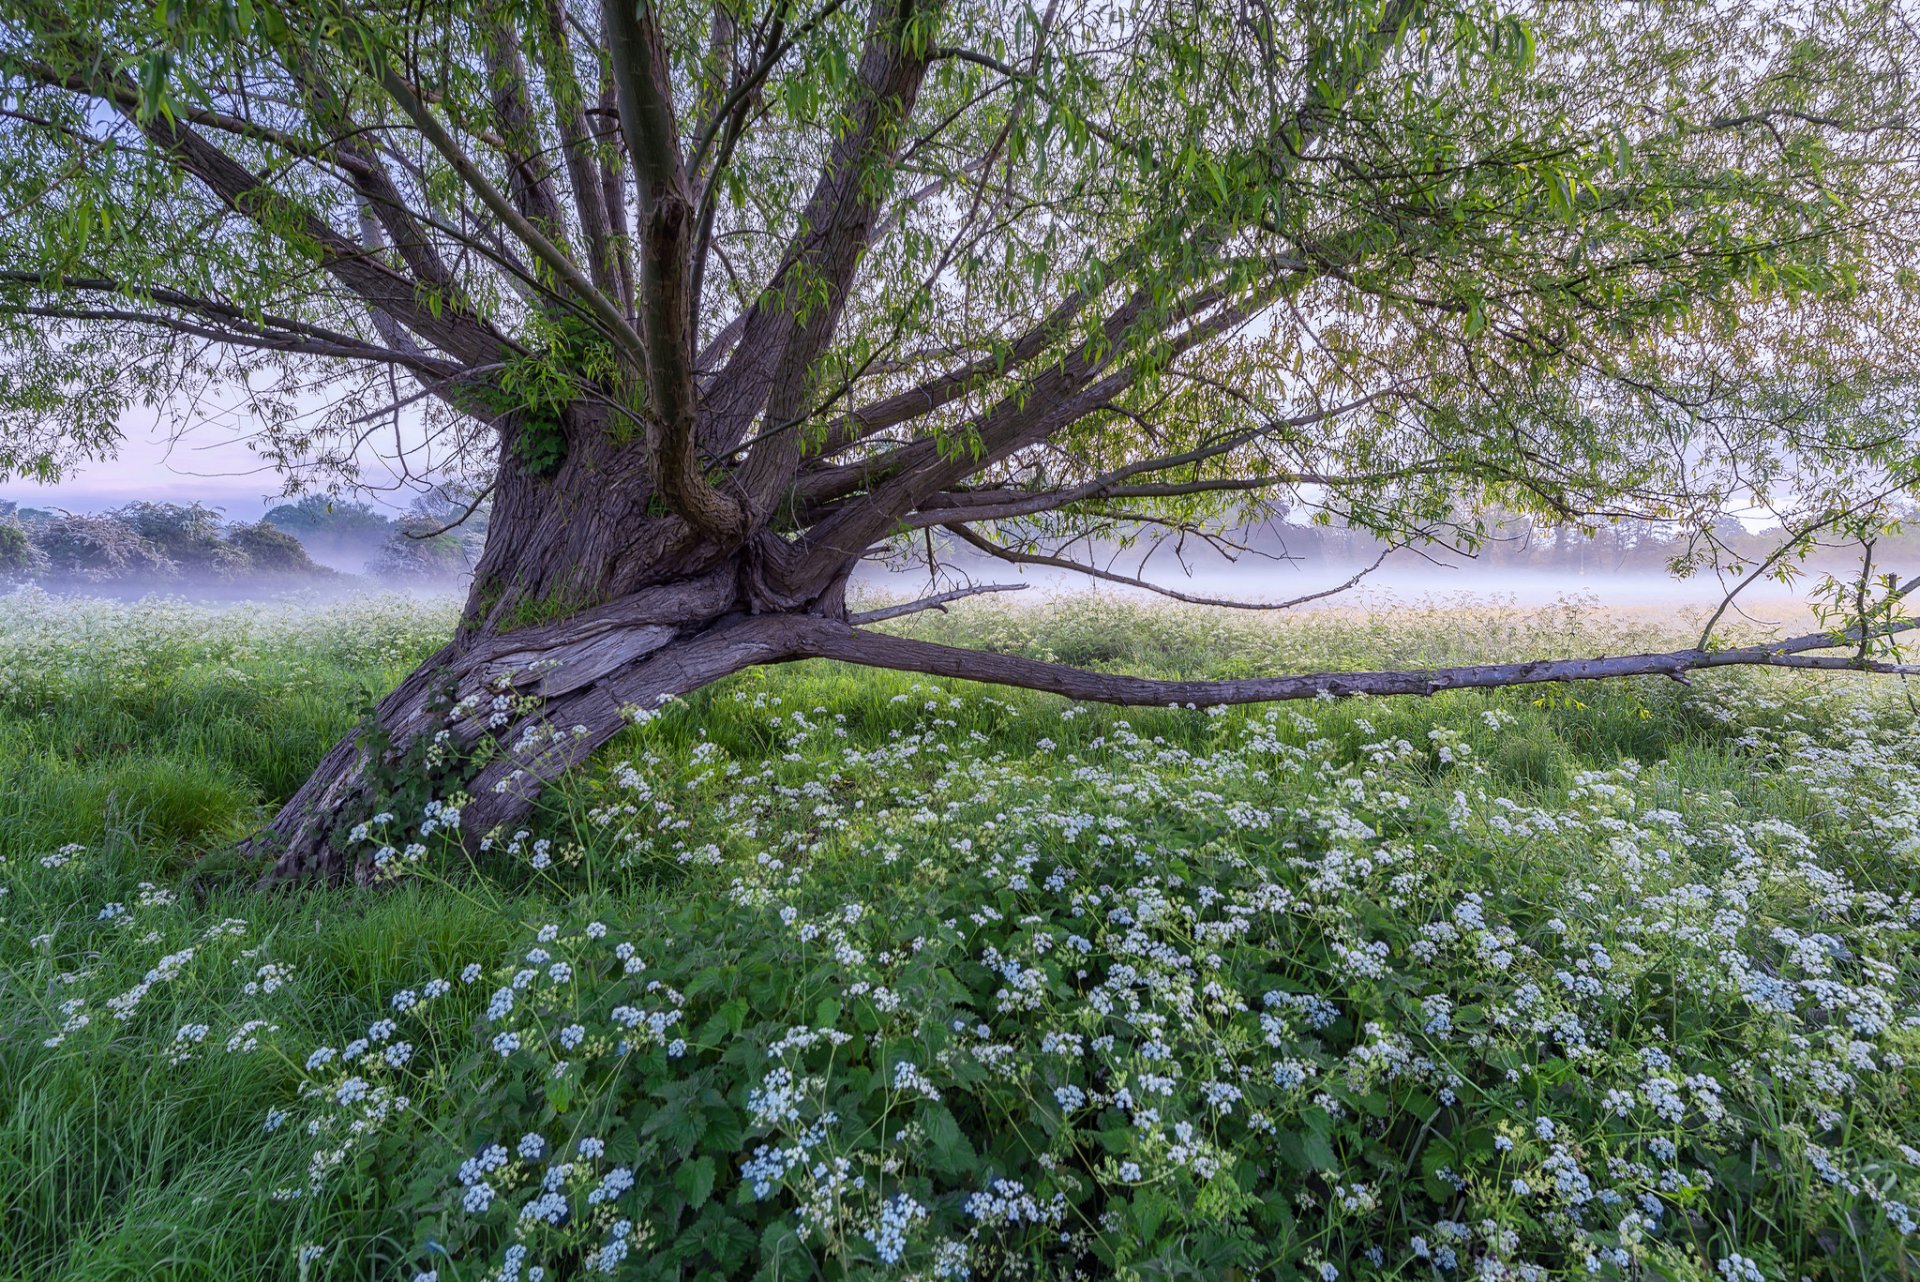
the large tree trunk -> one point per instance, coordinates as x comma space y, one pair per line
542, 697
586, 606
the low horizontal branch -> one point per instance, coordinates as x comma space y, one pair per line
826, 639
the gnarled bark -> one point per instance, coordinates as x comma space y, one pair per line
582, 677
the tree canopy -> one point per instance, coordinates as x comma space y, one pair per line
1584, 257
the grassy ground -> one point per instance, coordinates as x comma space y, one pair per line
845, 973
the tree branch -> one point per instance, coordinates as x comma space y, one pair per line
455, 331
768, 370
549, 254
643, 87
826, 639
529, 179
1111, 485
260, 340
1013, 557
127, 99
460, 520
570, 117
1786, 546
264, 323
1066, 392
943, 389
938, 602
371, 179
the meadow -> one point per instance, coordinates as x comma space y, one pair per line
837, 973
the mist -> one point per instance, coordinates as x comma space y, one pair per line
349, 565
1405, 577
323, 548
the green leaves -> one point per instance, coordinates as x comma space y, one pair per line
1309, 1147
695, 1180
948, 1150
153, 72
1386, 169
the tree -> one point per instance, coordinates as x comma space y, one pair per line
342, 529
19, 559
100, 549
419, 550
728, 296
267, 549
189, 535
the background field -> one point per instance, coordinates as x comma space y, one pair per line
844, 972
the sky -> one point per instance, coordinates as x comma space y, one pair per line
211, 466
210, 463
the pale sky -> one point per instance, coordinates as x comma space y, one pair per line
210, 464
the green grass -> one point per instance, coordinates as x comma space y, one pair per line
1631, 818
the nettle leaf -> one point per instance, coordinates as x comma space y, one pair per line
724, 1130
679, 1120
695, 1180
726, 1021
1305, 1151
624, 1145
949, 1152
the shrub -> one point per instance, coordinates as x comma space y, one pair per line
19, 558
101, 549
270, 550
186, 534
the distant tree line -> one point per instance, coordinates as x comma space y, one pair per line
191, 544
440, 534
1512, 541
146, 541
438, 537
